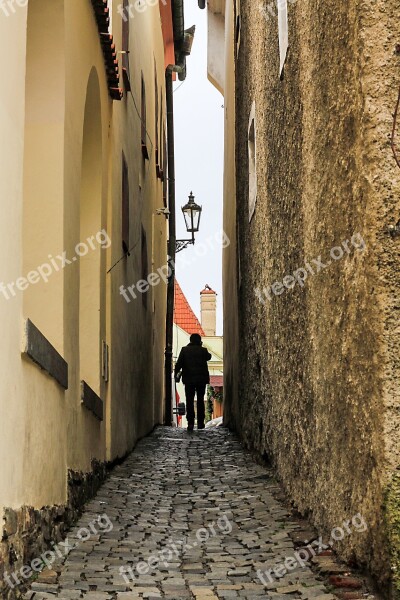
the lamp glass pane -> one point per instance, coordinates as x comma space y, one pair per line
187, 215
191, 212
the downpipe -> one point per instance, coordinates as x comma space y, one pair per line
169, 325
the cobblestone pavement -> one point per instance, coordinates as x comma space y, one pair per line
185, 516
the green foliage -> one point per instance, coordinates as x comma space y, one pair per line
209, 404
212, 395
218, 396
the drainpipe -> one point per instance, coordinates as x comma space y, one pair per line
171, 242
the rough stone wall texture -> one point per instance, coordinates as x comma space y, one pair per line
320, 366
28, 532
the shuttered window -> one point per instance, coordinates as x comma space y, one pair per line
156, 107
125, 206
165, 167
144, 120
125, 45
145, 266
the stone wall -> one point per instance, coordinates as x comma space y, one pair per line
319, 362
29, 532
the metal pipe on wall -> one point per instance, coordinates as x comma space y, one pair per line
169, 326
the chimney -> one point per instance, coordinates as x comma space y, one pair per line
208, 305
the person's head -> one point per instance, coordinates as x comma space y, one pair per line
195, 338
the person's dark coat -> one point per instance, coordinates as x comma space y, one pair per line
192, 362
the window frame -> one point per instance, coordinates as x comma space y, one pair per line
252, 160
125, 206
125, 45
143, 116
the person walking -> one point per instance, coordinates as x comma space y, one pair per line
192, 365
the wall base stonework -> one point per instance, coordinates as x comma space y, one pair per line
28, 532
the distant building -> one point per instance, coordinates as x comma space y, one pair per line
186, 323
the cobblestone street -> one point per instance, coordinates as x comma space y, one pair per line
185, 516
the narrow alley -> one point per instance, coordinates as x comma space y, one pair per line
191, 516
200, 299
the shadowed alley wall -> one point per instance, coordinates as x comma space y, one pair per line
319, 363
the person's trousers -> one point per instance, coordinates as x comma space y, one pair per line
191, 390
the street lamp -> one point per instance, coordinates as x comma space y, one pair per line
191, 213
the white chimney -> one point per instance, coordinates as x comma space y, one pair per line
208, 306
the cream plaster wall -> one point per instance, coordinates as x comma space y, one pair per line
45, 430
216, 50
230, 267
31, 403
137, 331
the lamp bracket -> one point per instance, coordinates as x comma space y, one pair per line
182, 244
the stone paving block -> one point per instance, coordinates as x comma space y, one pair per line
193, 518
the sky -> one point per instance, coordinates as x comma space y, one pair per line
199, 152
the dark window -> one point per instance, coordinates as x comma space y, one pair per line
237, 32
144, 121
165, 167
160, 137
125, 206
145, 267
238, 26
157, 148
125, 45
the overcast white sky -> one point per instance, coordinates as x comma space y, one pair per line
199, 140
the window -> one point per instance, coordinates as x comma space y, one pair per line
125, 207
144, 121
157, 148
145, 267
238, 261
110, 15
165, 167
238, 24
252, 152
283, 33
161, 142
125, 45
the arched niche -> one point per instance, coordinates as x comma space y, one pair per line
90, 226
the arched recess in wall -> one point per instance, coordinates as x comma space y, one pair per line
90, 225
43, 205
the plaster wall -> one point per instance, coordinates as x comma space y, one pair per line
230, 266
216, 50
61, 181
137, 328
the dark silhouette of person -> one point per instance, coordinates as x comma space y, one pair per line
192, 362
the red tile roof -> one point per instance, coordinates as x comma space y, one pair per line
208, 290
184, 315
217, 380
